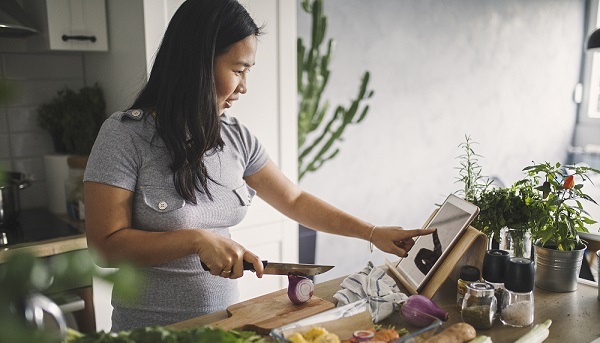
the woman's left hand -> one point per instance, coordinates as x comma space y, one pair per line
395, 240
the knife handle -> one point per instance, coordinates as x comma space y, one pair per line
250, 266
247, 265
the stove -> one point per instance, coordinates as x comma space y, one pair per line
35, 225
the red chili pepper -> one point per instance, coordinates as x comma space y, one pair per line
569, 182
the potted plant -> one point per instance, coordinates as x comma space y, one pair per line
558, 248
513, 209
73, 119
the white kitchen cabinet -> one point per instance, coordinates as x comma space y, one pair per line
69, 25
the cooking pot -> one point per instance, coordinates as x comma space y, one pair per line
10, 204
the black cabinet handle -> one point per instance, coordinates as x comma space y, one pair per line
90, 38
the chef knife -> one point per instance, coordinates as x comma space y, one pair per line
275, 268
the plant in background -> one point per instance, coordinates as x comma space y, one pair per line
74, 119
313, 74
559, 190
469, 172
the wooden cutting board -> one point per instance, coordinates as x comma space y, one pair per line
268, 312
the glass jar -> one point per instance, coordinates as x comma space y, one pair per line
74, 187
468, 274
479, 305
492, 272
517, 307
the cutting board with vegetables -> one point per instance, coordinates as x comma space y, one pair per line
265, 313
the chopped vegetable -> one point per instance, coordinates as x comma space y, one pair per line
420, 310
300, 289
481, 339
297, 338
537, 334
363, 335
314, 335
456, 333
379, 335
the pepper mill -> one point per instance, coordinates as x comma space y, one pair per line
492, 272
517, 307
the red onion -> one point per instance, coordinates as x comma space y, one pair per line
300, 289
418, 310
363, 335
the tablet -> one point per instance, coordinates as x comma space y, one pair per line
451, 220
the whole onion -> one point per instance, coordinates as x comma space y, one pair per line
420, 310
300, 289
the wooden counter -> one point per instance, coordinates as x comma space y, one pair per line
575, 316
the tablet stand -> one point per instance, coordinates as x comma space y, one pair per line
469, 249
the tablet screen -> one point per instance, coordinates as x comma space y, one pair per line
451, 220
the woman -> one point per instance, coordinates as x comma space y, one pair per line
167, 178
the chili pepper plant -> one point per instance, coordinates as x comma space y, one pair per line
559, 190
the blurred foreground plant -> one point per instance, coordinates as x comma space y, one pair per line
23, 275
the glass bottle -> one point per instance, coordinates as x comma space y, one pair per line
492, 271
517, 302
479, 305
74, 187
468, 274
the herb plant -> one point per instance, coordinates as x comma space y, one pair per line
560, 192
515, 208
74, 119
474, 183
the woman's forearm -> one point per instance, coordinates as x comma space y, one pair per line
146, 248
317, 214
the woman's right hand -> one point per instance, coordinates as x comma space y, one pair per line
224, 257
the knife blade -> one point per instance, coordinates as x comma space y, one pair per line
275, 268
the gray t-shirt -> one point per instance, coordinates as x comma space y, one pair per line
129, 154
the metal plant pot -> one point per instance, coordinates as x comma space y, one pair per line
557, 271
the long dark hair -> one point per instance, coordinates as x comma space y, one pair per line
181, 90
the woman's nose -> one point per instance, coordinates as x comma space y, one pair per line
242, 86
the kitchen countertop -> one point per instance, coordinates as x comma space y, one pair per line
44, 234
575, 315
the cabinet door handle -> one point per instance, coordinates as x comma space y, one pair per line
78, 37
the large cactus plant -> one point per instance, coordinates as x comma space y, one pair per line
318, 132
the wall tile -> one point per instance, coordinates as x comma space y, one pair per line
23, 119
31, 144
43, 66
33, 166
36, 92
3, 121
34, 195
4, 146
5, 164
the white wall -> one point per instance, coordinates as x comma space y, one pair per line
121, 72
500, 71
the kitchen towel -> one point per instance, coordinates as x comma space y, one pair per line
372, 282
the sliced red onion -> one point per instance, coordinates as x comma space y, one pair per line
420, 310
300, 289
363, 335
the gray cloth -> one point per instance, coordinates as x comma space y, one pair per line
373, 283
129, 154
